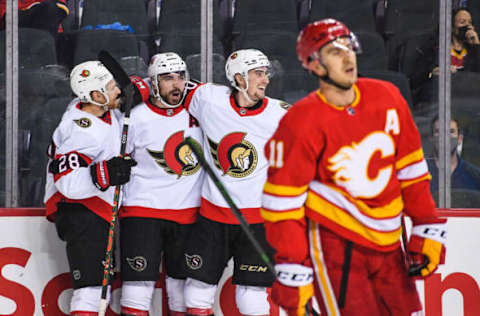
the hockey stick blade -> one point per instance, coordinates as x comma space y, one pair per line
243, 223
115, 68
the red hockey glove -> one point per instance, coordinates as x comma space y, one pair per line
111, 172
140, 94
293, 287
427, 247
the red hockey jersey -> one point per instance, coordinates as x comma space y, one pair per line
352, 169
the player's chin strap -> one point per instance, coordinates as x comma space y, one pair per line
329, 80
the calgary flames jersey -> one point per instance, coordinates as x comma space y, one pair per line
80, 140
234, 140
352, 169
167, 181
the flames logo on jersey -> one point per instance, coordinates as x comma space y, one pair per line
177, 157
234, 155
351, 165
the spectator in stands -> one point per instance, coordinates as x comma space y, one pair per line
465, 52
464, 175
40, 14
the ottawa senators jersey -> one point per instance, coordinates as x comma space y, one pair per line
80, 140
352, 169
234, 138
168, 179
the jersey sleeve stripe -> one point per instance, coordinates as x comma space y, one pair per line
276, 216
284, 190
415, 156
283, 203
405, 184
413, 171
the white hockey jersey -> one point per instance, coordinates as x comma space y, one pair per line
80, 140
234, 140
167, 181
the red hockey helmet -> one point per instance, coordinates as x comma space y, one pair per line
318, 34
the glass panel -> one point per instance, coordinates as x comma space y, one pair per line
52, 44
465, 110
3, 99
272, 27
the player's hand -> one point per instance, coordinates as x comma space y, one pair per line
427, 247
472, 36
111, 172
293, 287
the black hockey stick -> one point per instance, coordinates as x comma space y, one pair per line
128, 91
243, 223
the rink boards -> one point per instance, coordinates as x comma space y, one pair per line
34, 278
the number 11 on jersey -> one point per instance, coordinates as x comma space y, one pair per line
276, 154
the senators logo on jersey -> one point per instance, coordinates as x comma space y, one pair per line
177, 157
234, 155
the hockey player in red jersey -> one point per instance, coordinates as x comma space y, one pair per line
163, 196
83, 169
345, 164
237, 122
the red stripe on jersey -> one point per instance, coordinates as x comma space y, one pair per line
225, 214
181, 216
94, 204
133, 311
189, 96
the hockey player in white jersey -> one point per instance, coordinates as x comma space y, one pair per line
237, 122
162, 199
83, 169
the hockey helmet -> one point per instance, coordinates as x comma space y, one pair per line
90, 76
241, 61
318, 34
165, 63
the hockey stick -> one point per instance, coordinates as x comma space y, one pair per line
243, 223
128, 90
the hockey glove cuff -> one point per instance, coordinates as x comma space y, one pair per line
427, 247
115, 171
293, 287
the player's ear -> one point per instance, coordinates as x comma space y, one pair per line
240, 81
317, 68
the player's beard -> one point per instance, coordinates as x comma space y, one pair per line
174, 96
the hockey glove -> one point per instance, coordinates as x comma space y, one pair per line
293, 287
111, 172
427, 247
141, 92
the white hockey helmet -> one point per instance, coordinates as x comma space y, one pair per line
165, 63
90, 76
241, 61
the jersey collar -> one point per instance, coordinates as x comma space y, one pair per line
106, 117
341, 108
164, 111
243, 111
